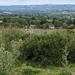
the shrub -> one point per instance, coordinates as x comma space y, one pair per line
8, 59
47, 48
44, 49
12, 34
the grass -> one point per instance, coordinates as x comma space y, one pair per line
34, 31
49, 70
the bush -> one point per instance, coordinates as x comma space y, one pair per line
48, 48
44, 49
6, 62
12, 34
8, 59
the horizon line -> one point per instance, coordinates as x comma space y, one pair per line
34, 4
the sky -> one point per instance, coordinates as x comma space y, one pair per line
35, 2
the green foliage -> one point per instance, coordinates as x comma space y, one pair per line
64, 73
48, 48
25, 70
39, 20
12, 34
56, 48
44, 49
6, 61
29, 72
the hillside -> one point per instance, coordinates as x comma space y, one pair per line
36, 8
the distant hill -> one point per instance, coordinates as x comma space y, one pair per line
36, 8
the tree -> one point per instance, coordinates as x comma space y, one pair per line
5, 21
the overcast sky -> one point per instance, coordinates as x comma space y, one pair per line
35, 2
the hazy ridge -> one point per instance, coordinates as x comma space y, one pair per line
36, 8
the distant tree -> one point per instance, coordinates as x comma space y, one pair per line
74, 22
43, 21
70, 22
5, 20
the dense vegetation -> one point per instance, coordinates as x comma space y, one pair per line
25, 50
21, 48
56, 20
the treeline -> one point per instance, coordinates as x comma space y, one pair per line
37, 21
